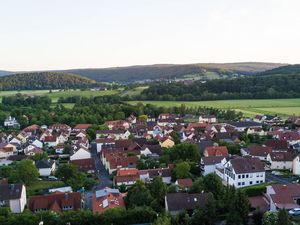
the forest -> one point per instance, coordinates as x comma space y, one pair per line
44, 80
255, 87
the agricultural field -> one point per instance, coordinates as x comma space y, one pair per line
56, 94
134, 91
281, 107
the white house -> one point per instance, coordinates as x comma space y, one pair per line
243, 172
45, 167
280, 160
7, 150
11, 122
37, 143
104, 142
207, 119
296, 165
209, 164
81, 154
13, 196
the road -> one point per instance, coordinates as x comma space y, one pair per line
103, 176
278, 179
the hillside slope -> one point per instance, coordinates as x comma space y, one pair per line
284, 70
4, 73
167, 71
43, 80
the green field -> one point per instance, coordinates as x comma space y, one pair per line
134, 91
282, 107
38, 186
56, 94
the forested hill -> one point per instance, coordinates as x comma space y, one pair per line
170, 71
283, 70
255, 87
4, 73
43, 80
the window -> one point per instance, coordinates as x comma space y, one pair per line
243, 183
239, 176
243, 176
247, 176
257, 181
239, 183
261, 175
250, 182
261, 181
257, 175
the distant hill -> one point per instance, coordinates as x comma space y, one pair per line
43, 80
170, 71
284, 70
4, 73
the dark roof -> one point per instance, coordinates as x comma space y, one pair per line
185, 201
44, 164
247, 165
245, 124
212, 160
277, 144
10, 191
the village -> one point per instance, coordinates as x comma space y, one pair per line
261, 154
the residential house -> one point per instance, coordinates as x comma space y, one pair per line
81, 154
244, 125
126, 177
179, 202
13, 196
7, 150
117, 124
209, 164
58, 127
151, 150
45, 167
149, 174
283, 196
105, 199
280, 160
104, 143
215, 151
166, 142
184, 184
81, 127
51, 141
296, 165
84, 165
260, 152
242, 172
11, 122
207, 119
55, 202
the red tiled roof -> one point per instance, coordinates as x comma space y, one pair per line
216, 151
185, 182
82, 126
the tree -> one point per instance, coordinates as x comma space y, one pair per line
182, 170
212, 183
158, 190
207, 214
40, 156
162, 220
138, 195
270, 218
257, 217
283, 218
27, 171
66, 171
143, 118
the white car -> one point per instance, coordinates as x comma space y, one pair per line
295, 212
52, 178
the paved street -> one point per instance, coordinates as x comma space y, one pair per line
104, 180
278, 179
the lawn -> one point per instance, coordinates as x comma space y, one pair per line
38, 187
134, 91
251, 107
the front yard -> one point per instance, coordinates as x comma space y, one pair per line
40, 187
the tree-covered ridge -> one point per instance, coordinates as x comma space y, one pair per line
44, 80
290, 69
170, 71
257, 87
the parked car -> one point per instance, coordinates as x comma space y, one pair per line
295, 212
277, 173
52, 178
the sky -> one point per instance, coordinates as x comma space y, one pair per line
64, 34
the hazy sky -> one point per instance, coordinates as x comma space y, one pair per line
61, 34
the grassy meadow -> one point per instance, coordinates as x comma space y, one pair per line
251, 107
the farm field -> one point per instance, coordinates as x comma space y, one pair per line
282, 107
55, 95
134, 91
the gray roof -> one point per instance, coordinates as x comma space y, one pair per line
245, 124
10, 191
106, 191
44, 164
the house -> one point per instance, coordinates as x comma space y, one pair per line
84, 165
11, 122
51, 141
166, 142
151, 150
58, 127
244, 125
107, 198
179, 202
215, 151
7, 150
296, 165
45, 167
149, 174
209, 164
260, 152
277, 145
184, 183
242, 172
55, 202
104, 143
81, 127
117, 124
208, 119
81, 154
114, 160
32, 129
280, 160
32, 150
13, 196
283, 196
126, 177
256, 130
